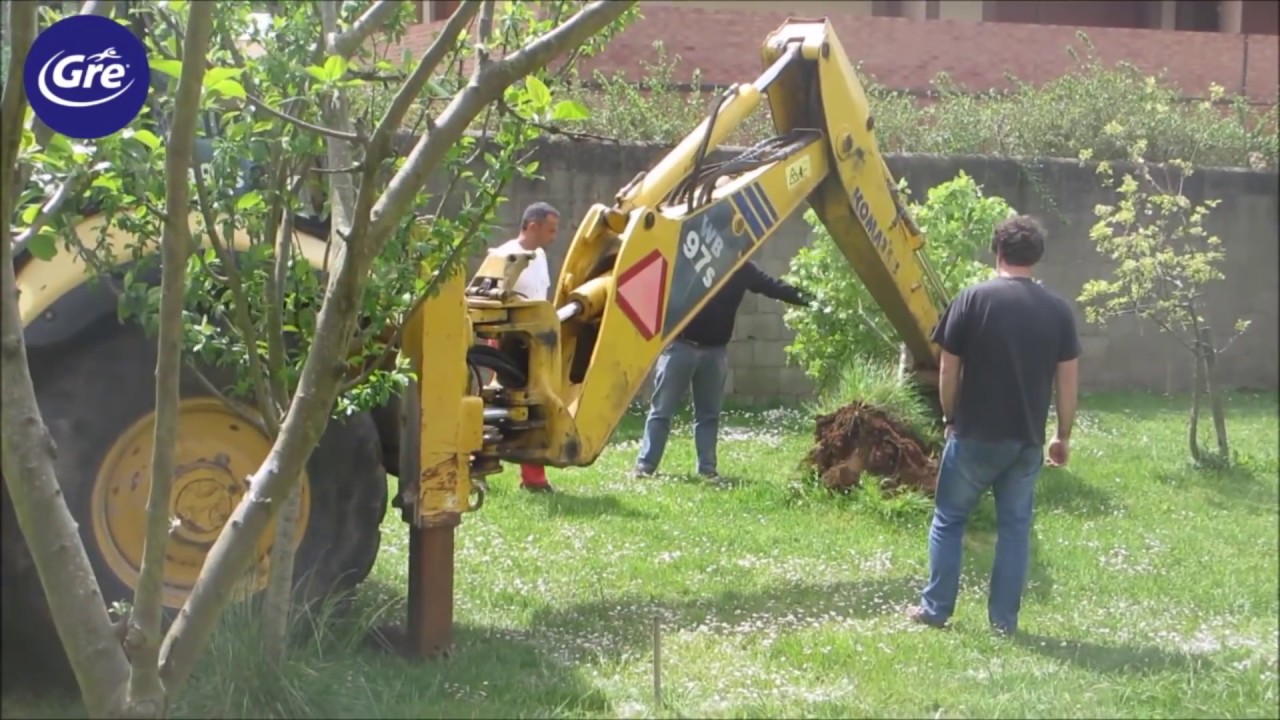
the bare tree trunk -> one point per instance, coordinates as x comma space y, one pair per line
324, 367
84, 628
280, 581
278, 599
1197, 391
146, 693
336, 111
1215, 393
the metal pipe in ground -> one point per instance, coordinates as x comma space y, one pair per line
430, 621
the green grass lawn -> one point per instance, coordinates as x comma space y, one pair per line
1153, 593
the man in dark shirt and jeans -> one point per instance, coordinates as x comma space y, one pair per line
699, 356
1005, 343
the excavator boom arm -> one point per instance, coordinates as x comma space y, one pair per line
637, 272
858, 202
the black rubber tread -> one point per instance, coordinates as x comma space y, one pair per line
89, 396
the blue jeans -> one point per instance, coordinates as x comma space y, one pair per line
967, 469
681, 364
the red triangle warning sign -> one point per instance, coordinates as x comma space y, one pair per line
641, 290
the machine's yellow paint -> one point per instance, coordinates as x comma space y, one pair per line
649, 189
857, 203
451, 425
42, 282
216, 452
620, 364
583, 355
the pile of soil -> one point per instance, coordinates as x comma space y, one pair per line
860, 438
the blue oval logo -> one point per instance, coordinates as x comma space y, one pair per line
87, 76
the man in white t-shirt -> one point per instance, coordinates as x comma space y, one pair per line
538, 227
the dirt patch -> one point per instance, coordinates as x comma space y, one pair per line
860, 438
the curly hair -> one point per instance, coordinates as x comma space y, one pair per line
1019, 241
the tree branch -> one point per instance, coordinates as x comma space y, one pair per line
27, 450
346, 43
566, 133
483, 32
50, 208
147, 696
275, 285
303, 124
358, 167
422, 72
485, 87
237, 407
336, 111
243, 321
96, 7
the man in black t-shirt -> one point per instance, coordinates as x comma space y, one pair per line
1005, 344
698, 357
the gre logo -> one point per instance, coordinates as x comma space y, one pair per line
87, 76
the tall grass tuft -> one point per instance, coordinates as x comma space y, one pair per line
877, 383
235, 679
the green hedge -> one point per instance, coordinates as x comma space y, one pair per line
1056, 119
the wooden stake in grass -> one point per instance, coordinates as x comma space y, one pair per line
657, 663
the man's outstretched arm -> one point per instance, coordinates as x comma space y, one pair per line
758, 281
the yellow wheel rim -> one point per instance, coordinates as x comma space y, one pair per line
217, 452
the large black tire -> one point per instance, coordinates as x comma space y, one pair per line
90, 395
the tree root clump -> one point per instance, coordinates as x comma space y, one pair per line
860, 438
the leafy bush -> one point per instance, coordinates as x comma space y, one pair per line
846, 326
1056, 119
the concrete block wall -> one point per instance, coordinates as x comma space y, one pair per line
1122, 356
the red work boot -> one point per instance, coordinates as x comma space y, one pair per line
534, 479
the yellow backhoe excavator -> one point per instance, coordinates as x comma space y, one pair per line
564, 370
635, 274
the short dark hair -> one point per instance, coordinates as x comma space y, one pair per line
1019, 240
537, 212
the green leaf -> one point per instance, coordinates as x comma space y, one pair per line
318, 73
539, 94
29, 213
249, 201
107, 182
229, 88
60, 146
569, 110
43, 246
148, 138
213, 76
177, 5
335, 67
172, 68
